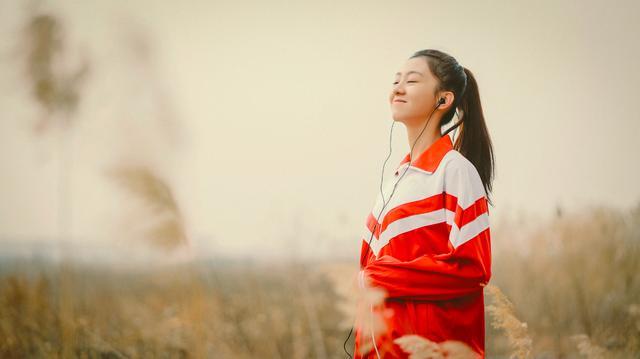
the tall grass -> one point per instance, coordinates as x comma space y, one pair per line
578, 298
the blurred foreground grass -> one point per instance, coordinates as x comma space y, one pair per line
191, 310
574, 286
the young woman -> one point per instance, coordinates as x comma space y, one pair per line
427, 239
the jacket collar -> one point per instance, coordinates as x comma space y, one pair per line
429, 160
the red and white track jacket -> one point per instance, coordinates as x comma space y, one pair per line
431, 252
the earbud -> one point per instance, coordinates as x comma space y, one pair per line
441, 101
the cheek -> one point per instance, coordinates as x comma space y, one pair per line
420, 100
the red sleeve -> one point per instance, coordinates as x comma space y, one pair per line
465, 268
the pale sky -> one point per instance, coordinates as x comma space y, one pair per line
270, 118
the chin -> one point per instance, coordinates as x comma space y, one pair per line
399, 117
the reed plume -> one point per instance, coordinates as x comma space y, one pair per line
503, 317
419, 347
166, 228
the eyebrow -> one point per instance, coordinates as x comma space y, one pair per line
410, 72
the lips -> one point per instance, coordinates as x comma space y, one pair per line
399, 100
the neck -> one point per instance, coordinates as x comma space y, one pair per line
430, 135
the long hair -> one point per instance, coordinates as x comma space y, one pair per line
473, 140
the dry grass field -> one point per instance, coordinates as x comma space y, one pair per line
570, 291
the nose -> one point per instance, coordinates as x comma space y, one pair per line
398, 88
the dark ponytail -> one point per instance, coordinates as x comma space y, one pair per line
473, 140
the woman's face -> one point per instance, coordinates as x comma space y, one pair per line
412, 96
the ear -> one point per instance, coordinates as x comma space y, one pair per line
448, 97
